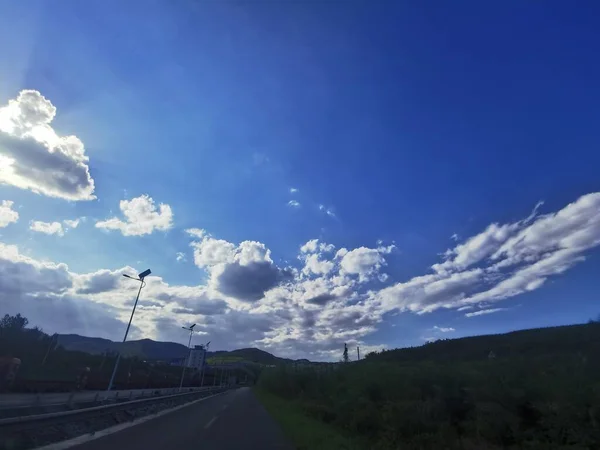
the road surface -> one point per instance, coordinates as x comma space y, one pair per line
230, 421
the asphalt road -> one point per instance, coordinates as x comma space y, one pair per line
230, 421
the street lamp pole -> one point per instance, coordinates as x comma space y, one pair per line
52, 343
191, 330
140, 278
204, 363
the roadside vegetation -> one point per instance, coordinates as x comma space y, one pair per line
46, 366
305, 431
540, 391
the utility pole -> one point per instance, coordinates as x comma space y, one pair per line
357, 353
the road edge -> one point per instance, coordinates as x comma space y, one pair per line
84, 438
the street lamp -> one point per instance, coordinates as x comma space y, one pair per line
204, 363
191, 330
140, 278
52, 344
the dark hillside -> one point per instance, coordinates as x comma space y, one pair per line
569, 339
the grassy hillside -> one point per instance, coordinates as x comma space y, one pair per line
542, 391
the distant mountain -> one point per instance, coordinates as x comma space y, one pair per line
155, 350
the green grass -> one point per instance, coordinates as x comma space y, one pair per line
304, 432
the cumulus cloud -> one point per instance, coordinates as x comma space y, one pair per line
141, 217
202, 304
327, 298
94, 304
247, 282
310, 247
293, 190
47, 227
55, 228
209, 252
294, 204
34, 157
98, 282
314, 265
364, 262
21, 274
180, 257
7, 214
42, 292
244, 272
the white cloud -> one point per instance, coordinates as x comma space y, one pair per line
503, 261
298, 318
383, 277
294, 204
476, 248
196, 232
7, 214
242, 273
293, 190
328, 211
72, 223
34, 157
180, 256
364, 262
309, 310
484, 311
454, 237
313, 264
326, 248
249, 252
341, 253
310, 247
141, 217
210, 252
47, 227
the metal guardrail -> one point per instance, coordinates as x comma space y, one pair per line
30, 400
83, 413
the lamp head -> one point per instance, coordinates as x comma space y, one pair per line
144, 274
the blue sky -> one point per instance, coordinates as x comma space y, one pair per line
398, 126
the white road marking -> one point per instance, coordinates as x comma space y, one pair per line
210, 423
90, 437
